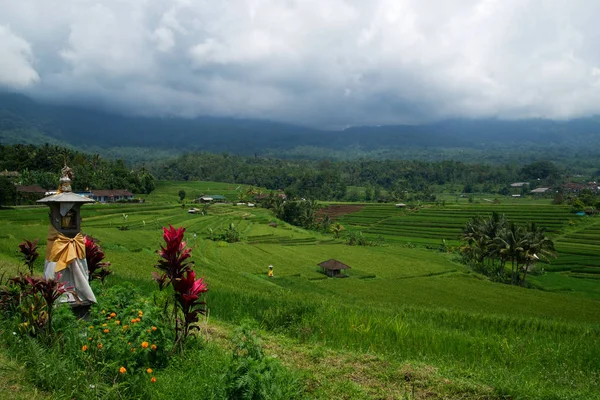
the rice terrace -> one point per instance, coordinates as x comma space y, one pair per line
298, 200
410, 320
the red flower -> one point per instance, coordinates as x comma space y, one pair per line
97, 269
187, 294
174, 256
189, 288
29, 251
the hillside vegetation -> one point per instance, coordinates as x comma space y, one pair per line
412, 313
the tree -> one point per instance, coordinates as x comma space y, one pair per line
8, 192
181, 195
336, 229
537, 246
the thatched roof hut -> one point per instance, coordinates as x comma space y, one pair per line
333, 268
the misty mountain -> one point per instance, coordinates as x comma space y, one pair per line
25, 120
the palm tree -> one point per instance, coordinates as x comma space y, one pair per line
510, 244
326, 222
336, 229
537, 246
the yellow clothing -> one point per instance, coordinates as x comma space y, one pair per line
270, 273
63, 250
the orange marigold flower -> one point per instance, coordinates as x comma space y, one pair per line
125, 327
104, 324
112, 314
122, 370
153, 347
99, 345
153, 379
154, 328
137, 320
145, 345
118, 322
149, 370
148, 331
103, 312
91, 327
84, 348
108, 318
106, 331
133, 321
90, 339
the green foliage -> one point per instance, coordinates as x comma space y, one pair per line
253, 375
300, 212
229, 234
422, 307
492, 242
8, 192
41, 166
126, 329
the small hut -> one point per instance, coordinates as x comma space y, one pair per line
333, 268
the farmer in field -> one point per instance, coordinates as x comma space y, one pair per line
270, 273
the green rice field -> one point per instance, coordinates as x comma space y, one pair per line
412, 305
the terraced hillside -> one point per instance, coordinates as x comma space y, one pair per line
430, 224
479, 339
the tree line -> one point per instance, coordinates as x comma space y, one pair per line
41, 165
384, 180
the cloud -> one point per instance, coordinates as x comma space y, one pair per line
16, 70
322, 63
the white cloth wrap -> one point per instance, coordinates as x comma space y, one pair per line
76, 274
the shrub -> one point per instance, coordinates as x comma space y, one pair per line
97, 269
29, 252
187, 290
253, 375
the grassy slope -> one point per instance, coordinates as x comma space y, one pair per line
421, 307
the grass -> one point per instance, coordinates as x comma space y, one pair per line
418, 311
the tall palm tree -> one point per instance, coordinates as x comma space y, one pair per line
511, 245
537, 246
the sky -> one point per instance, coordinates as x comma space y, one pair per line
323, 63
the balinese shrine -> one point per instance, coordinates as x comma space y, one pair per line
65, 251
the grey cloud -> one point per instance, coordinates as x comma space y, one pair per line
328, 63
16, 69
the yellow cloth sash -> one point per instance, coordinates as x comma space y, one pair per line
62, 249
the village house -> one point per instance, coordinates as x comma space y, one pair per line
211, 198
29, 193
540, 190
111, 196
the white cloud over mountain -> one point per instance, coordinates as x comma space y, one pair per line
324, 63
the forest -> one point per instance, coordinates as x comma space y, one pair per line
384, 180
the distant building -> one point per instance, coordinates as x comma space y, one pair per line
10, 174
540, 190
110, 196
264, 196
29, 193
211, 198
519, 184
